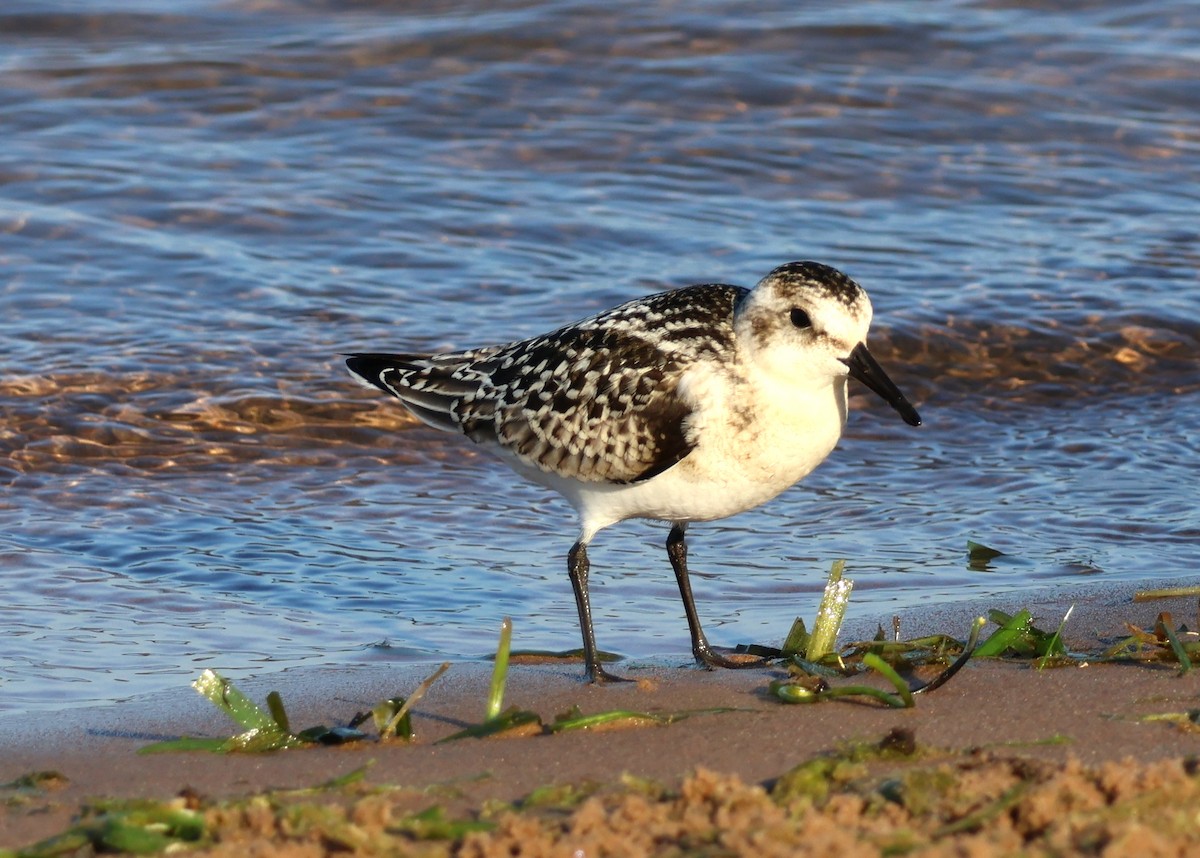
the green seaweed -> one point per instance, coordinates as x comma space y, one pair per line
830, 613
262, 731
814, 779
576, 720
432, 824
979, 555
270, 730
1166, 593
38, 780
1163, 628
1055, 649
968, 652
796, 642
499, 672
392, 717
137, 827
1018, 636
808, 682
1009, 635
977, 819
513, 721
805, 691
617, 718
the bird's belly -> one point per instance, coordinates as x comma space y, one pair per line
679, 498
728, 472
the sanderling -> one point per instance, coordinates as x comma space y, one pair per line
689, 405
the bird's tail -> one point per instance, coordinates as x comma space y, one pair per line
428, 385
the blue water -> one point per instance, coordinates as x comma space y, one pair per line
203, 204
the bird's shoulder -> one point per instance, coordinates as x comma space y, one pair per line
689, 323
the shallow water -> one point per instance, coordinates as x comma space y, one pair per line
202, 205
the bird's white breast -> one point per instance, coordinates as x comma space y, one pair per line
754, 439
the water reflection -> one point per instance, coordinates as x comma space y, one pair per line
201, 206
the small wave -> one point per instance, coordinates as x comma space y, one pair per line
968, 359
159, 422
156, 421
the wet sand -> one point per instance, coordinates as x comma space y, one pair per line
1075, 719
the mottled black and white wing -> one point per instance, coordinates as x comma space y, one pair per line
597, 401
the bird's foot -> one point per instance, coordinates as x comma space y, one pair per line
706, 656
597, 675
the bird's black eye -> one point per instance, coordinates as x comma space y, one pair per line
800, 319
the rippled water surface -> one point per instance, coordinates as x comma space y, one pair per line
202, 204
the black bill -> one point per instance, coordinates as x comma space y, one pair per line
864, 368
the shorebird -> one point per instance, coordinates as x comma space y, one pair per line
688, 405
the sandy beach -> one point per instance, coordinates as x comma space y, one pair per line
1076, 719
205, 206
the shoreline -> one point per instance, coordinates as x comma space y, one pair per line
1084, 713
1048, 603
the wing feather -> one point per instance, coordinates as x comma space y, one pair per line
595, 401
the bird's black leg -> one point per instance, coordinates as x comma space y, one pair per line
677, 551
577, 568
